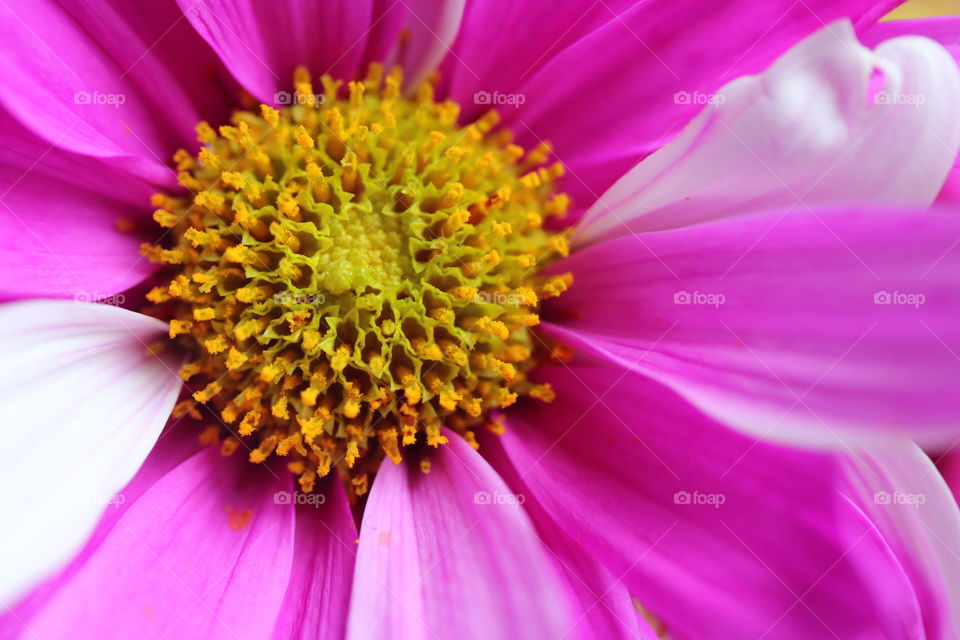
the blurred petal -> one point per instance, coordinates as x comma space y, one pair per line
946, 31
900, 490
804, 326
451, 553
813, 129
949, 466
84, 402
720, 536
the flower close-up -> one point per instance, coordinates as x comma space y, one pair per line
378, 319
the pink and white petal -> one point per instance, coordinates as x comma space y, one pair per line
449, 553
606, 609
830, 122
812, 327
261, 44
204, 552
93, 81
717, 534
431, 27
946, 31
175, 445
59, 213
318, 594
631, 60
84, 402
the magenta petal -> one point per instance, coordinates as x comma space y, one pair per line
719, 535
58, 222
486, 56
204, 552
318, 596
452, 553
809, 326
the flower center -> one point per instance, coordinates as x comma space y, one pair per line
355, 271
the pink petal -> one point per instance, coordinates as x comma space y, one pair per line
606, 609
803, 133
59, 213
107, 80
84, 402
719, 535
204, 552
806, 326
318, 596
261, 44
451, 553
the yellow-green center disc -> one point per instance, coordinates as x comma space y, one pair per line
355, 271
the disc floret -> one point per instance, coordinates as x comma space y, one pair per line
354, 271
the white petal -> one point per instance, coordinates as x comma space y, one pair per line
815, 128
82, 402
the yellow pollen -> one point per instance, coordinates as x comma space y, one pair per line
352, 275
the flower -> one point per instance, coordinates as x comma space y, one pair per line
771, 277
